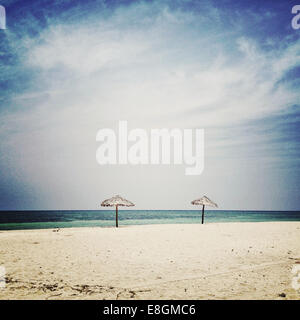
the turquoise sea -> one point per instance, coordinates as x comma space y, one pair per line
15, 220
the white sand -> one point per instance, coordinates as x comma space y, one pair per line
210, 261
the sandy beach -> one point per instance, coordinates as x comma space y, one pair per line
210, 261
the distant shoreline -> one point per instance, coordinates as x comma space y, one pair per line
141, 226
113, 210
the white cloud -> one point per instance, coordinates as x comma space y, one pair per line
152, 67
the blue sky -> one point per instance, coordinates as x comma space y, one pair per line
70, 68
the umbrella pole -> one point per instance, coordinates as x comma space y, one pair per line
116, 216
203, 214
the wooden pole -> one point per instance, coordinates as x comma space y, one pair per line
116, 216
203, 214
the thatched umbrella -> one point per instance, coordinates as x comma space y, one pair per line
116, 201
204, 201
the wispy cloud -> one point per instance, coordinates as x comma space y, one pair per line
155, 64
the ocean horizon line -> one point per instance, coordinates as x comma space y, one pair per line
113, 210
13, 220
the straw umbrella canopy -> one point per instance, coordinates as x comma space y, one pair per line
117, 201
204, 201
